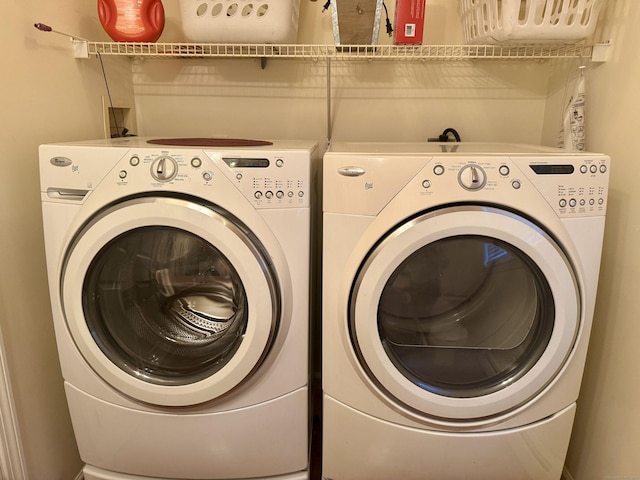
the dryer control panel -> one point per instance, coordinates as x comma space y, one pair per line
364, 179
573, 185
576, 187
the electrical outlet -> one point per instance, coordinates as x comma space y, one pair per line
119, 118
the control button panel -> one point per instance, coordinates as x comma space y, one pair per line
573, 185
269, 179
153, 168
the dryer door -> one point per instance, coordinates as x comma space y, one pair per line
170, 301
464, 313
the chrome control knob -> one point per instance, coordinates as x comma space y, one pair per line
472, 177
164, 169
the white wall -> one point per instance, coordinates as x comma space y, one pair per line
46, 95
606, 438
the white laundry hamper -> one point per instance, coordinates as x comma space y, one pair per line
528, 21
240, 21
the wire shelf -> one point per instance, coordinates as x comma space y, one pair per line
341, 52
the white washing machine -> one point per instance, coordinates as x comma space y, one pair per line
458, 295
179, 281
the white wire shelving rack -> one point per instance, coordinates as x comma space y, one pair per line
84, 49
330, 53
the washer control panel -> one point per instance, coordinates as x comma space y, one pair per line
268, 179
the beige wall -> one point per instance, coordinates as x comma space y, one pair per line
46, 95
606, 437
392, 101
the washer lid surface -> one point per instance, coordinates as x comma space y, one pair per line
464, 313
170, 301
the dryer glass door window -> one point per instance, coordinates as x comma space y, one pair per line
466, 315
165, 305
464, 312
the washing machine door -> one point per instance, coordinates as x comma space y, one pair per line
464, 313
170, 301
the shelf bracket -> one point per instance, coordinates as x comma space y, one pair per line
80, 48
600, 52
80, 45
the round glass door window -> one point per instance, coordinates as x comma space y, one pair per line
164, 305
465, 316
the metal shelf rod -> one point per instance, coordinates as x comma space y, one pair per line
339, 52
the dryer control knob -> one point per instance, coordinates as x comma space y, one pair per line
164, 169
472, 177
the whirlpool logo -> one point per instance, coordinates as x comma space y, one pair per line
60, 161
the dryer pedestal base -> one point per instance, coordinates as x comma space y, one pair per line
360, 447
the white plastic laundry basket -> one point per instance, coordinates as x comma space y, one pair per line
240, 21
528, 21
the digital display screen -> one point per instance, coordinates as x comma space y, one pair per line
247, 162
552, 169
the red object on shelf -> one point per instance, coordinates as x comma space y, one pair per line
409, 27
132, 20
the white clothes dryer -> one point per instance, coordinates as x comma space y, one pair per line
179, 281
459, 283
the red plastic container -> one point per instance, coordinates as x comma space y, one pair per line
132, 20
